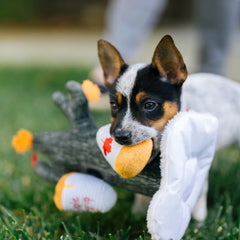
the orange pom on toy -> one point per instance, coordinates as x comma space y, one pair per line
22, 141
91, 91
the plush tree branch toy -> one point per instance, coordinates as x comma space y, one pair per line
77, 150
85, 160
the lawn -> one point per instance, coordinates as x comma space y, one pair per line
26, 207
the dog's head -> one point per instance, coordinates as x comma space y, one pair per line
143, 97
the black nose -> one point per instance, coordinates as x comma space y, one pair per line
123, 137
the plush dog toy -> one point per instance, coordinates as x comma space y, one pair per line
127, 161
187, 149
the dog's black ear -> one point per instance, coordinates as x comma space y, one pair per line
110, 60
169, 61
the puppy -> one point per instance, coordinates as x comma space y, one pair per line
144, 97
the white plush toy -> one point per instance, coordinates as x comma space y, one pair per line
78, 192
187, 150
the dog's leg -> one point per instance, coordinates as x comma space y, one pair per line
199, 212
140, 204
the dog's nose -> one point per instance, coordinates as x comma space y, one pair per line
123, 137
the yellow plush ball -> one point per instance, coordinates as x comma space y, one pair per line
131, 160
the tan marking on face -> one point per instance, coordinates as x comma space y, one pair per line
119, 98
140, 96
113, 120
170, 110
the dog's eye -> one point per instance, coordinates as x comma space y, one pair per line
114, 106
150, 106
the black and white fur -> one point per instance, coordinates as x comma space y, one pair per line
144, 97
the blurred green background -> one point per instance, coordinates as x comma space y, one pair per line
74, 12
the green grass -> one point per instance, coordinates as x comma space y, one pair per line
26, 207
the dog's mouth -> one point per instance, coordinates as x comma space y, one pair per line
125, 141
155, 151
128, 142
